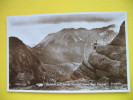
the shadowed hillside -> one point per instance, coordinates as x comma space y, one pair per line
23, 65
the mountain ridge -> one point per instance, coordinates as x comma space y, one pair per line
69, 44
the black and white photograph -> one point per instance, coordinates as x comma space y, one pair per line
68, 53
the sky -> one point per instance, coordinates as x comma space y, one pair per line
31, 29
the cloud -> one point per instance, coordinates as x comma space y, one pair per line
63, 18
74, 18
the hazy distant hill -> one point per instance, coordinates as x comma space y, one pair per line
72, 45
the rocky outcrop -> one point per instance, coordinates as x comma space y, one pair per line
120, 38
113, 52
84, 70
99, 61
23, 65
107, 63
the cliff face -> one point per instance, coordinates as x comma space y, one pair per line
23, 65
107, 63
120, 38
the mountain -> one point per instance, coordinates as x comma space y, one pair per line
72, 45
24, 66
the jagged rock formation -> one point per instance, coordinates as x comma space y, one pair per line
24, 67
71, 45
107, 63
120, 39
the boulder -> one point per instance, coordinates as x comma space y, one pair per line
115, 71
87, 65
113, 52
87, 72
101, 73
77, 75
102, 62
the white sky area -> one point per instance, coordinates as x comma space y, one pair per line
31, 29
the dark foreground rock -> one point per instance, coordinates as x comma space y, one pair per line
113, 52
119, 40
102, 73
102, 62
23, 65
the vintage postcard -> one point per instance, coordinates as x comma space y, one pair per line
68, 53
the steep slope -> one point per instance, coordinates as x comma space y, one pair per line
23, 65
71, 45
